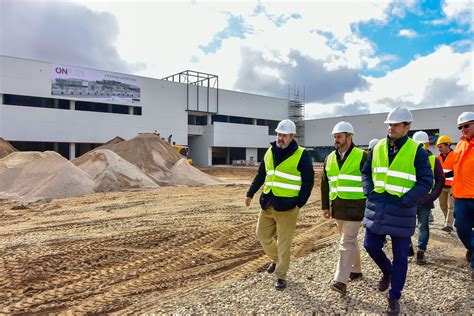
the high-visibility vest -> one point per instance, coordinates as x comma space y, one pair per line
431, 158
347, 182
463, 185
285, 179
398, 177
447, 166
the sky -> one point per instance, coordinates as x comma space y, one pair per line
346, 57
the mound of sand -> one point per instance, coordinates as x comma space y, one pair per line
156, 158
115, 140
5, 148
21, 158
111, 172
50, 177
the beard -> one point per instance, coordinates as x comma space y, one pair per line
281, 145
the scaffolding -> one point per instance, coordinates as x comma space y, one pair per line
194, 80
296, 100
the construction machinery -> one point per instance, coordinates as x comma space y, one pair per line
183, 151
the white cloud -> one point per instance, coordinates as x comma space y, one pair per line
408, 33
460, 10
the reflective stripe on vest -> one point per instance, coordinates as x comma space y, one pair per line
285, 179
400, 176
347, 182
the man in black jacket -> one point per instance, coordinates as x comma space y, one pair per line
287, 172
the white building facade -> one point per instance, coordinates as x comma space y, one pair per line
71, 110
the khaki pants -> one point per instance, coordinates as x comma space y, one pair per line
446, 203
283, 225
349, 253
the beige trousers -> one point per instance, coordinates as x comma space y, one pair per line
446, 203
275, 231
349, 253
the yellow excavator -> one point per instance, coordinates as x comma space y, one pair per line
183, 151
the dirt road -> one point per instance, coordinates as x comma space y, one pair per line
130, 251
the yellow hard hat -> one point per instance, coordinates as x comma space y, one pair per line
444, 139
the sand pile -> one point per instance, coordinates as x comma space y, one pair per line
156, 158
21, 158
5, 148
115, 140
50, 177
111, 172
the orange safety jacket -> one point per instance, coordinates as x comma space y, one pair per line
463, 185
447, 166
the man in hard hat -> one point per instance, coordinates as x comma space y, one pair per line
372, 144
343, 199
397, 172
463, 186
425, 203
446, 201
287, 171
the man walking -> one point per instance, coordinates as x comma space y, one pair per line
463, 186
446, 201
397, 173
287, 172
341, 184
425, 203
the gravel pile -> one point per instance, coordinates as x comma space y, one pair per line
443, 286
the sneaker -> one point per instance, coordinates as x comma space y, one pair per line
271, 267
420, 257
355, 275
447, 229
280, 284
411, 251
339, 287
384, 283
468, 255
393, 307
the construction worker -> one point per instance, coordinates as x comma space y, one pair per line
372, 143
425, 203
341, 186
396, 174
287, 171
446, 201
463, 186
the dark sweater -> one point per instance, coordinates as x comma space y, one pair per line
347, 210
427, 200
305, 167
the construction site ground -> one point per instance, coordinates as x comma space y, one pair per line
136, 251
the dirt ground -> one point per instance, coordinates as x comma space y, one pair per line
127, 252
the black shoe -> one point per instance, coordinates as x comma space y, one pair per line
339, 287
271, 267
447, 229
411, 251
355, 275
468, 255
384, 283
420, 257
393, 307
280, 284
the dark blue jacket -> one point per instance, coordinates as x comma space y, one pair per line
387, 214
305, 167
428, 199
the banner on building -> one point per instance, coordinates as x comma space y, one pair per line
94, 85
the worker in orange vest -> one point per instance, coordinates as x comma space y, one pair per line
446, 201
463, 185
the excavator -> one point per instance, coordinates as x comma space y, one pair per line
183, 151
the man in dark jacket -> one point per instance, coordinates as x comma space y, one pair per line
341, 183
425, 203
396, 174
287, 171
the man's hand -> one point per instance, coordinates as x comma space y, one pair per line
326, 214
247, 201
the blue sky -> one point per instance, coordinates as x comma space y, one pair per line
350, 57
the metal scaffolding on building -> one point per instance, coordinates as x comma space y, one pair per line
296, 101
194, 80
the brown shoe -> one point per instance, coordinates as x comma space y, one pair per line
393, 307
339, 287
355, 275
468, 255
384, 283
420, 257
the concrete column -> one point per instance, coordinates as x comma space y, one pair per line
227, 158
251, 154
130, 110
209, 156
72, 151
72, 104
209, 119
254, 121
56, 147
56, 103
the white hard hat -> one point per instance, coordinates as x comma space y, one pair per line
465, 117
286, 127
373, 142
399, 115
343, 127
421, 137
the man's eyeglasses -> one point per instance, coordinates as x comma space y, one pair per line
463, 126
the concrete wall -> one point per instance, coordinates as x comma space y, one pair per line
251, 153
241, 135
